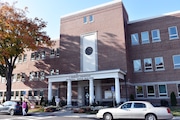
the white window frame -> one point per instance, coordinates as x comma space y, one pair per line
155, 38
145, 37
24, 57
91, 18
135, 39
140, 95
150, 94
135, 63
173, 36
178, 89
85, 20
162, 94
148, 68
176, 64
159, 67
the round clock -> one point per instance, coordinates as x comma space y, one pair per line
89, 50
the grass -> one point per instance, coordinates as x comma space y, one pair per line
37, 109
175, 110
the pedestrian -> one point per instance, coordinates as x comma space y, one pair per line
24, 107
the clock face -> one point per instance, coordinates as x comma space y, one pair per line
89, 50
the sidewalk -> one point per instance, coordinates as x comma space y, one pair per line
64, 113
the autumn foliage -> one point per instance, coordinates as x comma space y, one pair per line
17, 34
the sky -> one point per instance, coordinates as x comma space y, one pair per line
52, 10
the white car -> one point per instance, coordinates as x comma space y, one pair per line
135, 110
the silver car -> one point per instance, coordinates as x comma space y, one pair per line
11, 107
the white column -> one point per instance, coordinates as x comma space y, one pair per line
69, 93
91, 91
117, 90
49, 91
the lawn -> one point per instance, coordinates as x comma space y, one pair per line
175, 110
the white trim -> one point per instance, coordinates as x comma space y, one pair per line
86, 75
157, 83
92, 8
149, 18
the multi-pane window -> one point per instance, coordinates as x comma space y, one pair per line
150, 91
178, 88
91, 18
32, 56
176, 60
20, 58
52, 54
35, 93
18, 77
41, 93
137, 65
145, 37
162, 90
23, 76
155, 35
57, 52
29, 93
17, 93
173, 33
1, 94
134, 39
25, 57
159, 63
43, 54
42, 75
139, 91
148, 64
85, 20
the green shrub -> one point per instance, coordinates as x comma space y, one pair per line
173, 99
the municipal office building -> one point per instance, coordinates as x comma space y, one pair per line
100, 56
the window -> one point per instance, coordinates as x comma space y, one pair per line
85, 20
91, 18
37, 55
159, 63
148, 64
17, 93
162, 91
52, 72
52, 53
137, 65
41, 93
134, 39
139, 91
150, 91
127, 105
57, 72
35, 93
18, 77
176, 60
43, 54
173, 33
145, 37
25, 57
29, 93
139, 105
20, 58
1, 94
155, 35
57, 52
42, 75
32, 56
23, 76
31, 76
178, 88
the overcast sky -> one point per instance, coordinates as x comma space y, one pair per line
51, 10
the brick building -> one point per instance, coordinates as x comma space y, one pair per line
101, 52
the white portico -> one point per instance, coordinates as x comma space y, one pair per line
92, 78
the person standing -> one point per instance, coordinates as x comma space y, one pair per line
24, 106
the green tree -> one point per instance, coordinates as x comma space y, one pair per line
173, 99
17, 34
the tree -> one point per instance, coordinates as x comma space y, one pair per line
17, 34
173, 99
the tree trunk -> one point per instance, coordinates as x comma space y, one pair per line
9, 83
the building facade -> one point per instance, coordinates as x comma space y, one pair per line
102, 56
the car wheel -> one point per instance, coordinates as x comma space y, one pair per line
107, 116
150, 117
11, 112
